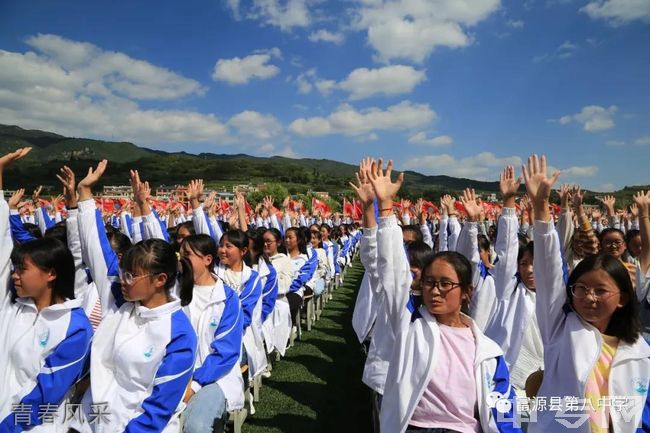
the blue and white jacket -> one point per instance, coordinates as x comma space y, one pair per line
142, 359
218, 326
43, 353
572, 347
304, 267
417, 337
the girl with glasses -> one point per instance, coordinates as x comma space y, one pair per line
143, 352
444, 374
590, 331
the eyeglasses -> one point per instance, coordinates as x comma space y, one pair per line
443, 286
616, 243
130, 279
267, 242
581, 291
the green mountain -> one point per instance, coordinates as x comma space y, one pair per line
51, 151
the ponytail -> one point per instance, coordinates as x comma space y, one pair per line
185, 280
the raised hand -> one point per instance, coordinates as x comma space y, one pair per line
565, 195
385, 189
363, 187
92, 177
509, 185
449, 204
36, 194
609, 202
472, 207
239, 200
577, 196
642, 201
208, 204
634, 210
15, 198
539, 185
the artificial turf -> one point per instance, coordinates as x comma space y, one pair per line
317, 386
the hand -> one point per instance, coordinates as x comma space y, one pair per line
509, 186
449, 203
208, 204
642, 200
609, 202
577, 196
15, 198
55, 202
634, 210
141, 190
565, 195
239, 200
92, 177
385, 189
268, 203
539, 185
11, 157
364, 188
194, 190
472, 207
36, 194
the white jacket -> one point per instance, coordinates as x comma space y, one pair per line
417, 337
572, 346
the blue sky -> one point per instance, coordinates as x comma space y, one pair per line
457, 87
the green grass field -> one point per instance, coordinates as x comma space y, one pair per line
317, 386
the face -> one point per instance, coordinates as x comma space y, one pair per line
613, 244
635, 246
409, 236
200, 264
434, 299
485, 256
325, 234
525, 269
182, 233
31, 281
291, 240
142, 285
229, 254
591, 309
270, 245
314, 240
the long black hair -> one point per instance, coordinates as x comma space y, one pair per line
156, 256
624, 323
300, 237
49, 254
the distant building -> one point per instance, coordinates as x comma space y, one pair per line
117, 191
320, 194
168, 192
245, 188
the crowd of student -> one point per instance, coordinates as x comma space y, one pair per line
139, 321
519, 319
482, 318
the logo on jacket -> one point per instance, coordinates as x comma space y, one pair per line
149, 352
640, 385
43, 338
214, 322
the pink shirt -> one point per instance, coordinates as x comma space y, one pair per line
449, 401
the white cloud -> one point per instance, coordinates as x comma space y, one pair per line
348, 121
241, 70
484, 166
327, 36
256, 125
643, 141
266, 149
593, 118
288, 152
364, 83
515, 24
618, 12
284, 15
421, 138
412, 29
104, 72
564, 51
617, 143
304, 81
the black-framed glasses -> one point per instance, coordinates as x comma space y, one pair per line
581, 291
443, 286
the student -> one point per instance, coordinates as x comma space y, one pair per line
235, 273
44, 332
278, 324
322, 268
444, 373
143, 352
303, 269
216, 315
590, 330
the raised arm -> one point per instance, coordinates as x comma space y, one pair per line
468, 239
642, 200
548, 268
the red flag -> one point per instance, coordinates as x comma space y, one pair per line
460, 208
319, 205
348, 208
223, 204
247, 208
357, 210
429, 207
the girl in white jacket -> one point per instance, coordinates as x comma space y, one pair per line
278, 324
143, 352
444, 373
595, 359
216, 315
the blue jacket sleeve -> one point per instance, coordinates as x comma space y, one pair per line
249, 297
226, 346
504, 421
43, 219
18, 231
62, 369
171, 379
304, 275
269, 293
